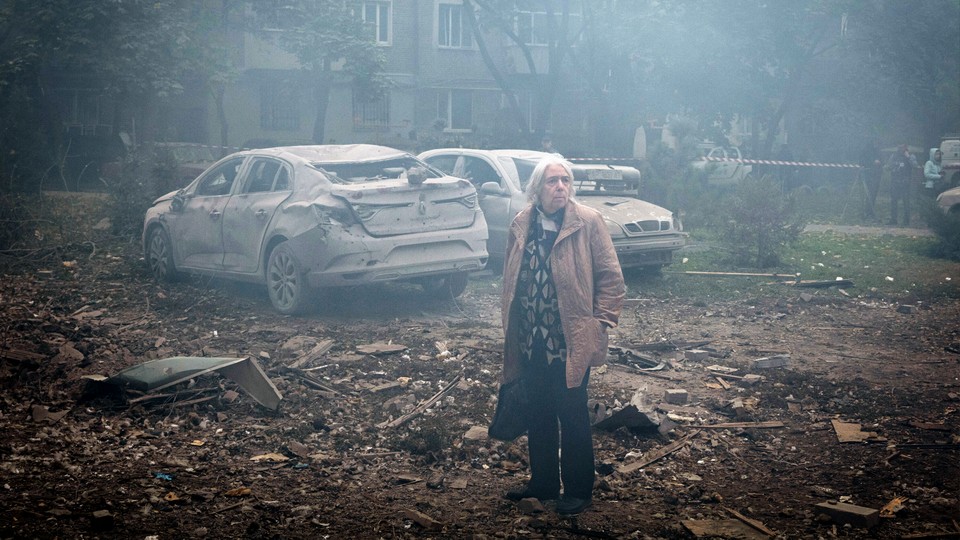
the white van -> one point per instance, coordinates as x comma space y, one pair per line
950, 159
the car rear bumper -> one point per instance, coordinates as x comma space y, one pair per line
349, 260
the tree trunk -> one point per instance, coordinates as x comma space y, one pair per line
221, 118
321, 93
492, 67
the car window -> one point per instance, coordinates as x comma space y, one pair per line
283, 180
717, 152
478, 171
444, 163
219, 180
262, 174
519, 169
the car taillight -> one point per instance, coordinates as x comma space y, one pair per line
326, 214
470, 201
365, 211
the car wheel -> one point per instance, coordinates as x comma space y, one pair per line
450, 285
286, 283
160, 256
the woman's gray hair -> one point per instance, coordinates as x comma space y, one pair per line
538, 177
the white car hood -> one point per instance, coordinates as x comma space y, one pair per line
623, 210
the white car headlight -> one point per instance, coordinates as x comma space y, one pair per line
616, 231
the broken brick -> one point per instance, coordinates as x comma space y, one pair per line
675, 396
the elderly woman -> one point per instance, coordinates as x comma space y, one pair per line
562, 290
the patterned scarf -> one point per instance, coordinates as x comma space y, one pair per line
540, 310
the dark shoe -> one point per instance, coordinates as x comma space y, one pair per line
520, 494
571, 506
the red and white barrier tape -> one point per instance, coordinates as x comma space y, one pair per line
735, 160
787, 163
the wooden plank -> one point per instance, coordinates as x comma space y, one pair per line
734, 425
656, 455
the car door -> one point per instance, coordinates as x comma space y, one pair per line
494, 203
195, 229
739, 170
265, 184
721, 172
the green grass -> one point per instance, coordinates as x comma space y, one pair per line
890, 268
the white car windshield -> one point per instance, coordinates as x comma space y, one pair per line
518, 169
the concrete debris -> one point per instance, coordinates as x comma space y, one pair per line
780, 360
845, 513
675, 396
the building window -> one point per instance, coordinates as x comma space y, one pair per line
83, 112
377, 16
533, 25
279, 107
455, 107
525, 101
453, 30
371, 114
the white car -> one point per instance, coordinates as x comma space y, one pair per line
722, 166
644, 234
302, 217
949, 201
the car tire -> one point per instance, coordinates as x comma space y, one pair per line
159, 257
287, 284
448, 286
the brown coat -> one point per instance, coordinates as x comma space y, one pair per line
589, 284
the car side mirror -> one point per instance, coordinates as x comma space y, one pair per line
178, 201
491, 188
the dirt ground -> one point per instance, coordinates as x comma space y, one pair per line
205, 460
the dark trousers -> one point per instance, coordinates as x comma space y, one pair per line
900, 191
871, 181
551, 402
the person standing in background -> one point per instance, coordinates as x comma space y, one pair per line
901, 165
870, 167
932, 173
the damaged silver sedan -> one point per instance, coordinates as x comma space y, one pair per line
304, 217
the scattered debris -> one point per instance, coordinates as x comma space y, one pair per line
675, 396
422, 519
751, 522
41, 413
422, 406
839, 283
270, 458
656, 455
773, 424
722, 528
768, 362
314, 354
380, 349
848, 432
890, 509
844, 513
166, 372
637, 414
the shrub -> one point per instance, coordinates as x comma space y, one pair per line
761, 222
144, 177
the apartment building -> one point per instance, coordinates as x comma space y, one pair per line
442, 92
